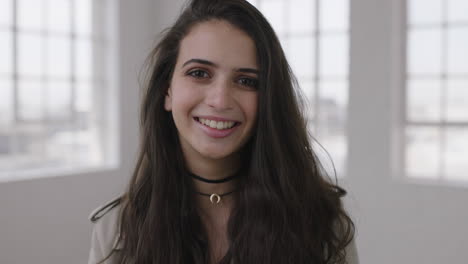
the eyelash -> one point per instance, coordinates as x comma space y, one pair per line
195, 73
252, 82
244, 81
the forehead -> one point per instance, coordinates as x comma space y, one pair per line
220, 42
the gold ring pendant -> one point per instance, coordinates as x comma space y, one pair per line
215, 196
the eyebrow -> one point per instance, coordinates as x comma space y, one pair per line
248, 70
200, 61
210, 63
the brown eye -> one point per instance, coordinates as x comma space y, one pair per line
249, 82
199, 74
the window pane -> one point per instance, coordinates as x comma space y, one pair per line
31, 144
456, 154
424, 51
6, 9
6, 50
424, 100
333, 104
301, 57
87, 148
60, 145
30, 14
30, 96
58, 15
83, 97
457, 101
334, 58
5, 147
457, 10
424, 11
83, 17
74, 148
423, 152
301, 16
273, 10
30, 54
335, 92
58, 100
83, 59
307, 87
336, 146
58, 56
332, 123
334, 15
6, 103
458, 50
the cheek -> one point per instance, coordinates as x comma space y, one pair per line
183, 102
250, 106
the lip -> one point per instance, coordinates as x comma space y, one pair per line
215, 133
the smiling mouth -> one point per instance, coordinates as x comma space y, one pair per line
220, 125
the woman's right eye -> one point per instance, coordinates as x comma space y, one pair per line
199, 74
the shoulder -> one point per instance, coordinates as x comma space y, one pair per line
105, 230
103, 210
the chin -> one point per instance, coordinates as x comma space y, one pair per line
215, 154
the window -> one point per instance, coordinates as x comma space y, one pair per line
436, 116
314, 35
53, 82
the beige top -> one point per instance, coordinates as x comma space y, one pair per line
105, 235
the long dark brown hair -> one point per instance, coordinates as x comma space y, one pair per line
287, 209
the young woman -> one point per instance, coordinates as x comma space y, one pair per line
226, 172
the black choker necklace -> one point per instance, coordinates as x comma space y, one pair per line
214, 197
214, 181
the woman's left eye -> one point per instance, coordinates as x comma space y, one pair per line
250, 82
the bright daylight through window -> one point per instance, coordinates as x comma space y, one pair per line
52, 84
314, 35
437, 90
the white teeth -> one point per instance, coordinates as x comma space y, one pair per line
218, 125
213, 124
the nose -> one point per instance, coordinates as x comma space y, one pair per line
219, 96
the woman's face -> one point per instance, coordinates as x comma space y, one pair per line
213, 91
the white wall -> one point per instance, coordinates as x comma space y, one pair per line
44, 221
